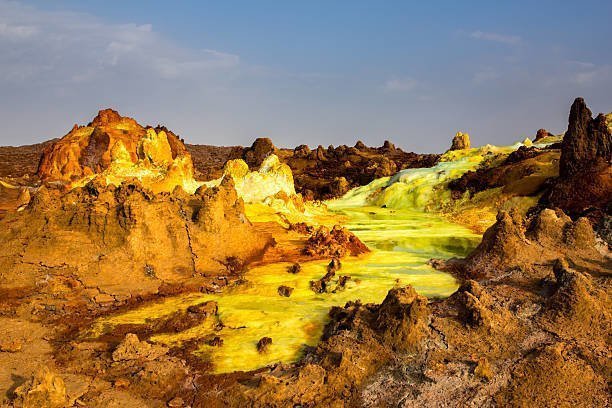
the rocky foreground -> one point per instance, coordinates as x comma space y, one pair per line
529, 326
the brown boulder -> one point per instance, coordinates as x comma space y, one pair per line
334, 243
301, 151
264, 344
295, 268
261, 148
285, 291
339, 186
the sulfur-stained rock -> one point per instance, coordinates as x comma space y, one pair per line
216, 342
295, 268
44, 390
334, 265
285, 291
204, 309
549, 234
157, 238
483, 369
113, 149
176, 402
10, 345
461, 141
264, 344
552, 375
334, 243
477, 304
576, 304
133, 349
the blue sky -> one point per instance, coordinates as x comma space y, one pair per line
316, 72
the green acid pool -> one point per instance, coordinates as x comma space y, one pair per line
402, 241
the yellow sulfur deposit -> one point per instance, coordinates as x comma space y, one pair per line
155, 168
273, 179
421, 188
402, 241
269, 192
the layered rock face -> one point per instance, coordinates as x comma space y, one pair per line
113, 148
584, 186
124, 241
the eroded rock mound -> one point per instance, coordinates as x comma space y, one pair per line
44, 390
114, 148
334, 243
587, 142
122, 241
513, 242
133, 349
542, 134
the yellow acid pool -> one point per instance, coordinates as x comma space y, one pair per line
402, 241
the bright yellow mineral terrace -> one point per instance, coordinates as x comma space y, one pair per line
388, 215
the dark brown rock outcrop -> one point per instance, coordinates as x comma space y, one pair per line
334, 243
584, 186
328, 173
260, 149
524, 172
541, 134
587, 142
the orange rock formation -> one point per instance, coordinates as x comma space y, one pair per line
115, 148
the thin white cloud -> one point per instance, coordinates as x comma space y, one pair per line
579, 73
64, 47
16, 32
580, 64
592, 75
400, 85
486, 75
496, 37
